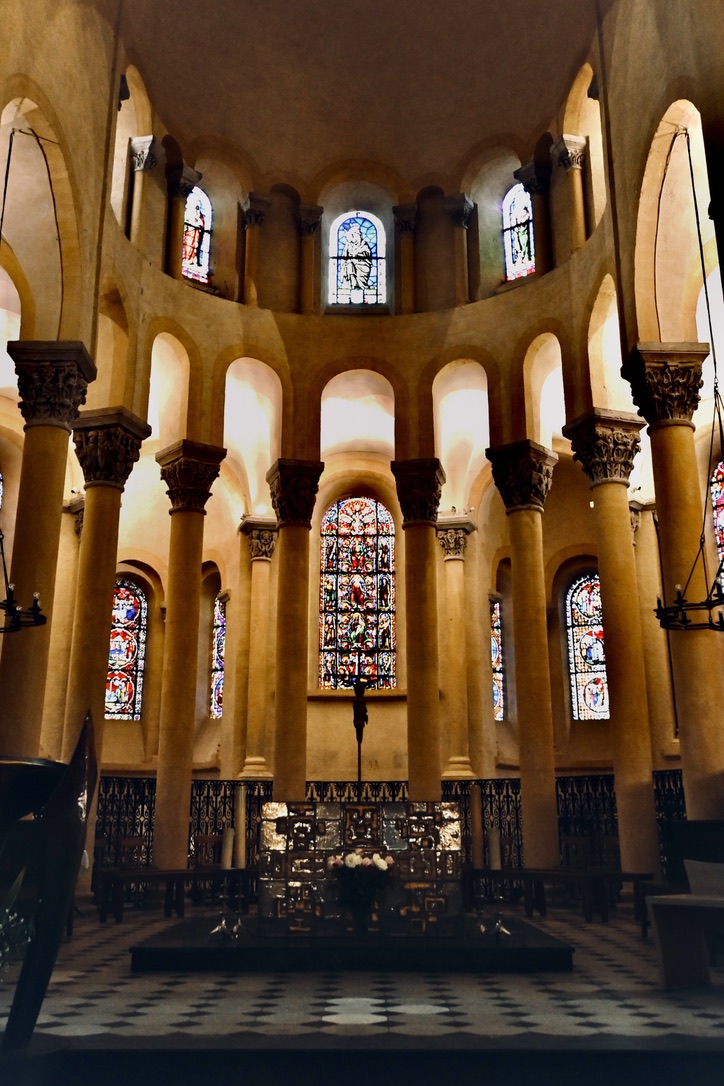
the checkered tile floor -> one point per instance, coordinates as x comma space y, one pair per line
611, 997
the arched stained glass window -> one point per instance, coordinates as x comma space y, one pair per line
496, 660
218, 648
586, 651
518, 242
717, 507
357, 636
196, 245
127, 652
357, 274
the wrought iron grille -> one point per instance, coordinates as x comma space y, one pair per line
126, 808
587, 820
670, 803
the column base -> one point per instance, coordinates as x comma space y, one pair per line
459, 769
255, 769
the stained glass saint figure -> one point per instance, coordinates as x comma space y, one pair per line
518, 242
717, 506
496, 660
357, 260
586, 649
218, 648
357, 635
196, 245
127, 652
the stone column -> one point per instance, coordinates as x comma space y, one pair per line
188, 468
254, 212
536, 182
452, 535
419, 485
569, 152
665, 381
181, 184
605, 443
261, 534
52, 382
310, 216
146, 215
460, 208
108, 444
405, 221
523, 473
293, 485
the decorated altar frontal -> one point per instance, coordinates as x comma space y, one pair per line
392, 867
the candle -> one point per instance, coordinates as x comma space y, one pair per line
227, 848
240, 837
494, 849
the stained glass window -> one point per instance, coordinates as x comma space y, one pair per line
196, 245
357, 636
127, 652
357, 273
586, 651
518, 243
2, 490
717, 506
218, 647
496, 660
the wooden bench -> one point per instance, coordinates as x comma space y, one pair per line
593, 884
683, 925
113, 880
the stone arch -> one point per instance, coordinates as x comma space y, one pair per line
133, 118
312, 400
608, 388
168, 393
358, 415
582, 117
112, 351
462, 428
252, 429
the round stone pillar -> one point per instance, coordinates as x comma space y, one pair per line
52, 382
188, 468
180, 186
145, 218
107, 444
254, 214
460, 208
665, 381
523, 473
309, 219
452, 535
570, 154
605, 443
293, 485
261, 535
419, 485
405, 219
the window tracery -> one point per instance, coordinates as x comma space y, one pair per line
357, 274
357, 635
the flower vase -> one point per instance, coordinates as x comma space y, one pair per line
361, 913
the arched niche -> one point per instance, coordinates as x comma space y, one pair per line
608, 388
111, 352
358, 415
252, 429
462, 431
488, 189
545, 401
353, 196
667, 270
223, 188
169, 390
582, 117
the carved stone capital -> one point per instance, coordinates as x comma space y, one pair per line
534, 179
293, 485
452, 535
182, 182
146, 152
261, 534
605, 444
523, 473
419, 486
188, 468
76, 508
405, 218
108, 444
459, 207
665, 379
53, 377
255, 209
570, 152
310, 216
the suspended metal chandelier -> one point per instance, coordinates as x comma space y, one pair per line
17, 617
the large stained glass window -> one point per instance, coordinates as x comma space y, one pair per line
518, 242
496, 660
218, 647
357, 595
586, 651
196, 245
127, 653
357, 273
717, 507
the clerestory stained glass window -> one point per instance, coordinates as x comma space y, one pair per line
518, 241
357, 636
218, 648
127, 652
717, 507
357, 274
496, 660
196, 244
586, 650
